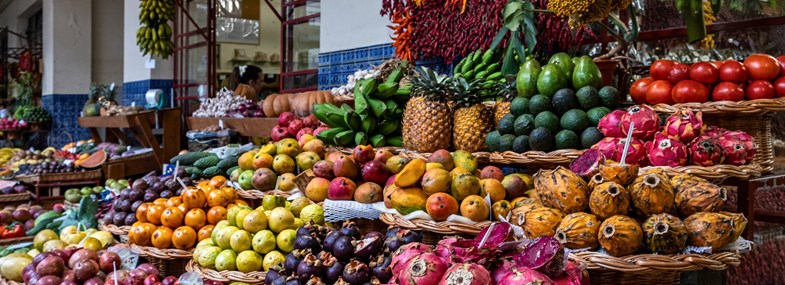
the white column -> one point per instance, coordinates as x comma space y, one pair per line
67, 46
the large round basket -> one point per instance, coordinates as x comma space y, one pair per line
258, 195
225, 276
16, 197
120, 231
650, 268
553, 158
169, 261
11, 241
434, 231
746, 107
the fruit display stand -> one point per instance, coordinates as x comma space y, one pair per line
252, 278
54, 181
169, 261
12, 241
130, 165
434, 231
247, 127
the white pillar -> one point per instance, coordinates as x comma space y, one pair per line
67, 46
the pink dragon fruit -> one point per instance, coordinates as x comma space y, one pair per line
706, 151
545, 254
636, 153
734, 149
607, 146
465, 274
425, 268
503, 268
714, 131
524, 275
684, 125
610, 124
665, 151
749, 143
444, 248
646, 121
404, 254
588, 163
574, 274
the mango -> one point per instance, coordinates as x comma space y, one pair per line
411, 173
464, 185
465, 160
408, 200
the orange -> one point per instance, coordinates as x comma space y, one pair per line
174, 201
196, 218
160, 201
142, 233
184, 237
217, 198
204, 185
193, 198
218, 181
154, 214
162, 237
216, 214
141, 212
205, 232
172, 218
182, 208
230, 191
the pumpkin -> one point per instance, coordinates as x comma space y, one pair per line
302, 103
245, 91
275, 104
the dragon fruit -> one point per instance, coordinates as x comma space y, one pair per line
607, 146
665, 151
749, 143
646, 121
444, 248
524, 275
425, 268
733, 149
503, 268
465, 274
588, 163
714, 131
684, 125
544, 254
404, 254
636, 153
609, 124
706, 151
574, 274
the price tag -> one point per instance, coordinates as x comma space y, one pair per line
129, 258
68, 162
133, 104
220, 124
190, 278
169, 169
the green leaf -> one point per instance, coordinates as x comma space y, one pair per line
499, 37
530, 30
511, 8
84, 216
509, 65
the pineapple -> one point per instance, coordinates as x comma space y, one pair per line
472, 120
427, 119
506, 92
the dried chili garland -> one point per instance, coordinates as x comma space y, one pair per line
560, 37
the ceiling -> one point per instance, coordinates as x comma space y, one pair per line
4, 4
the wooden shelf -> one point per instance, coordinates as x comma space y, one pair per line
248, 127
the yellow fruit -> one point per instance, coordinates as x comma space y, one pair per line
411, 173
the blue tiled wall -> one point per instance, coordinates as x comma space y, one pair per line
65, 109
134, 91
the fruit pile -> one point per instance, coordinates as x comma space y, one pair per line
375, 118
760, 76
14, 221
84, 266
547, 113
32, 114
486, 259
250, 240
74, 195
10, 124
482, 66
51, 167
7, 153
148, 189
340, 256
181, 221
276, 164
21, 157
200, 164
291, 126
684, 140
677, 211
248, 110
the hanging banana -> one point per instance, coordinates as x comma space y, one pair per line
154, 36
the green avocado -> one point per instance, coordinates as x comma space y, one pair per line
564, 100
596, 113
610, 97
526, 81
539, 103
547, 120
519, 106
524, 124
590, 136
541, 139
551, 79
564, 62
505, 142
507, 124
575, 120
588, 97
566, 139
492, 140
586, 73
521, 144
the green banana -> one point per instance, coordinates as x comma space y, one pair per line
388, 127
353, 120
377, 107
495, 76
468, 65
360, 138
469, 75
386, 89
459, 66
377, 140
487, 56
345, 138
493, 68
479, 67
476, 55
394, 141
395, 76
369, 124
329, 134
481, 74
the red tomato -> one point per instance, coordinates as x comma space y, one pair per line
659, 92
638, 89
760, 89
660, 69
690, 91
779, 87
704, 72
727, 91
781, 60
733, 71
679, 72
762, 67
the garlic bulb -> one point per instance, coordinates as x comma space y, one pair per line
224, 102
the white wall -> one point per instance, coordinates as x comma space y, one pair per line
15, 17
108, 42
67, 47
133, 63
348, 24
269, 41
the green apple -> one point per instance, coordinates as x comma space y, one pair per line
246, 179
98, 189
86, 191
123, 182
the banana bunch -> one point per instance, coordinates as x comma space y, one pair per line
375, 118
154, 36
708, 18
6, 153
481, 65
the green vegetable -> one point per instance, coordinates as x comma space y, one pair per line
84, 216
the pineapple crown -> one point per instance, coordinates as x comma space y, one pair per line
466, 93
430, 85
507, 90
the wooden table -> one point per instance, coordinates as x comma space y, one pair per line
140, 124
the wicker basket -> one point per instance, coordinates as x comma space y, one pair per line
61, 177
745, 108
4, 281
10, 241
553, 158
433, 231
650, 268
170, 261
17, 197
115, 230
225, 276
365, 225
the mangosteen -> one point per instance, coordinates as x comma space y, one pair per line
350, 229
125, 194
294, 281
181, 173
125, 206
115, 203
356, 273
136, 195
171, 184
393, 243
292, 260
315, 281
178, 192
109, 217
166, 194
330, 238
332, 269
370, 245
391, 232
140, 185
119, 218
410, 236
306, 230
281, 280
309, 267
136, 205
309, 241
270, 276
187, 181
130, 219
343, 248
380, 266
150, 196
157, 186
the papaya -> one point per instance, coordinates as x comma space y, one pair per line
526, 81
564, 62
551, 79
586, 73
408, 200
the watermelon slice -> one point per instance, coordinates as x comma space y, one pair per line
94, 160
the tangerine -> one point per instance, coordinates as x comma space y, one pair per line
196, 218
193, 198
216, 214
218, 181
162, 237
172, 217
205, 232
141, 212
217, 198
184, 237
241, 202
183, 208
160, 201
142, 234
154, 212
204, 185
230, 191
174, 201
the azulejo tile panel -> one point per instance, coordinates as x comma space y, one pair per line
135, 91
65, 109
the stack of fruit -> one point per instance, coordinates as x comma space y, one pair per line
11, 124
276, 164
340, 256
248, 110
21, 157
32, 114
116, 185
200, 164
683, 140
291, 126
482, 66
603, 212
7, 153
180, 221
375, 118
250, 240
672, 82
71, 238
51, 167
74, 195
14, 221
148, 189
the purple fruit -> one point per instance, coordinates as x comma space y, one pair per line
306, 230
130, 220
350, 229
292, 260
309, 241
393, 243
333, 269
125, 194
409, 236
391, 232
167, 194
150, 196
270, 276
309, 267
136, 205
136, 195
356, 273
119, 218
125, 206
329, 240
281, 280
370, 245
380, 266
343, 248
140, 184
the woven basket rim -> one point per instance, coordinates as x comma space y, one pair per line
256, 277
115, 230
166, 254
444, 228
258, 195
745, 107
641, 263
16, 197
10, 241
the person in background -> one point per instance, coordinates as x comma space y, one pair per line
246, 81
